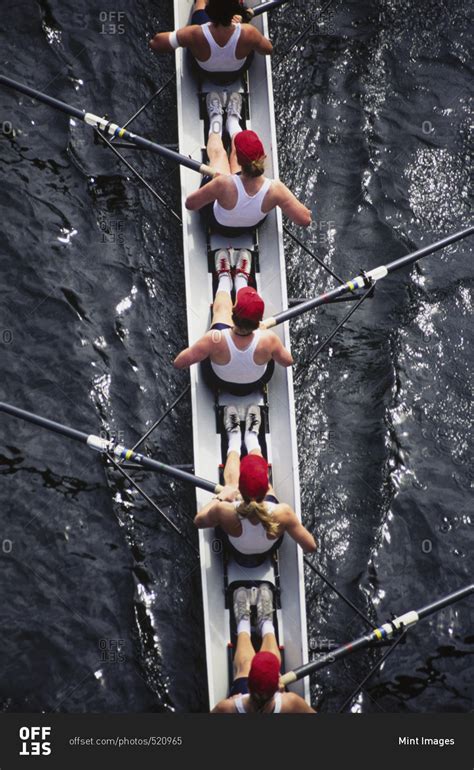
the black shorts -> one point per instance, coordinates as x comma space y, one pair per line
239, 686
220, 326
236, 388
200, 17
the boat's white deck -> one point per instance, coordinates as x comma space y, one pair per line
207, 449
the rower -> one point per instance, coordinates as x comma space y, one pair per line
255, 523
221, 46
238, 356
255, 688
238, 200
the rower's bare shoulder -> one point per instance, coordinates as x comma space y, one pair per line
283, 512
249, 32
224, 707
295, 704
279, 190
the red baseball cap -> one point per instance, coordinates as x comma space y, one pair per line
249, 305
264, 674
248, 147
253, 479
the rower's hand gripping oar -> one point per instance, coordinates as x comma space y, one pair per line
387, 631
105, 446
107, 127
365, 279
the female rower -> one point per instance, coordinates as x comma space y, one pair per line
239, 198
256, 523
221, 46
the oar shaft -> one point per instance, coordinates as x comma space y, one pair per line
386, 631
108, 127
429, 249
106, 446
325, 660
265, 7
429, 609
303, 307
56, 103
56, 427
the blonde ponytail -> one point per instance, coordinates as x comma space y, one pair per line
255, 167
246, 509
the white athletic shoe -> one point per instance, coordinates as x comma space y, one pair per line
215, 110
231, 419
222, 261
253, 419
241, 605
234, 105
264, 604
244, 263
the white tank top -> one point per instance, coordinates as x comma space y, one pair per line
222, 58
247, 212
240, 708
254, 536
241, 368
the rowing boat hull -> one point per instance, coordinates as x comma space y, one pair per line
206, 442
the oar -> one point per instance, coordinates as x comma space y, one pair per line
104, 125
106, 446
365, 279
387, 631
257, 10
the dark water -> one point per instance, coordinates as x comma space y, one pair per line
101, 607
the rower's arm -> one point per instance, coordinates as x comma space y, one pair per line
214, 512
292, 207
192, 355
207, 516
261, 43
208, 193
280, 354
299, 533
160, 43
